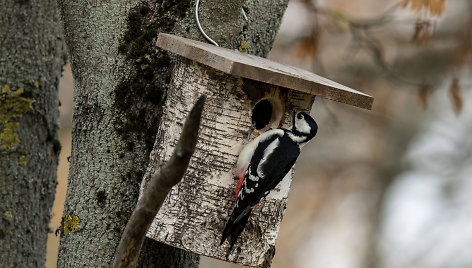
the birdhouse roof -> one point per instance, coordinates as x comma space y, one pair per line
263, 70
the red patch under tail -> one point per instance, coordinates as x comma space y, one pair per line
240, 182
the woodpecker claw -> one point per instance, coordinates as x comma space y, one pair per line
249, 133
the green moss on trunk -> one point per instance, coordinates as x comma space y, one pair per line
144, 90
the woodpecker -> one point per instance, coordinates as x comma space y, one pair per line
262, 164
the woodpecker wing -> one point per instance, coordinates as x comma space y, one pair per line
272, 160
247, 152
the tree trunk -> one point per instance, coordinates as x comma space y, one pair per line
121, 80
30, 67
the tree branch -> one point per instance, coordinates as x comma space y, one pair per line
127, 252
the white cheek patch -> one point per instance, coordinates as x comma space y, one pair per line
302, 126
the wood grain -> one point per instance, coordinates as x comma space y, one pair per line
264, 70
195, 212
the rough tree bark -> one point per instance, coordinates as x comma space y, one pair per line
31, 60
120, 84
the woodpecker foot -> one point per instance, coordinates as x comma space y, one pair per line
249, 133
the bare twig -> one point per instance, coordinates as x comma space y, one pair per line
362, 37
156, 191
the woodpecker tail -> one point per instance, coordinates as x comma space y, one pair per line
234, 227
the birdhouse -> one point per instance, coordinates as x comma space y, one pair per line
242, 90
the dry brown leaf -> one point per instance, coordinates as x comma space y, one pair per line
465, 47
434, 7
308, 47
422, 32
417, 5
455, 94
424, 92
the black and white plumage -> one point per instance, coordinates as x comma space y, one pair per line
262, 164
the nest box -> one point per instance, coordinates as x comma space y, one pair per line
241, 89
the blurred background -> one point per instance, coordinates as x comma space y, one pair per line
382, 188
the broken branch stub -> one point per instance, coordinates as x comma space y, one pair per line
152, 198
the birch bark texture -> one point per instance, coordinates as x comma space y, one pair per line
114, 127
195, 211
31, 59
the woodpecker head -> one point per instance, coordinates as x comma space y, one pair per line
304, 126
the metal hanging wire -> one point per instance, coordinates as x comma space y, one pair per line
197, 2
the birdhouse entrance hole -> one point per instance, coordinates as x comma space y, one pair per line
267, 113
269, 103
261, 114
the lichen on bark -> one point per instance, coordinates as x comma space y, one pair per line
12, 107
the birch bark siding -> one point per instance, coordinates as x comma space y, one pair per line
194, 214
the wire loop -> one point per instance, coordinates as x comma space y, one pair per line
197, 2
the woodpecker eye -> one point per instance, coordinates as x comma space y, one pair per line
299, 116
